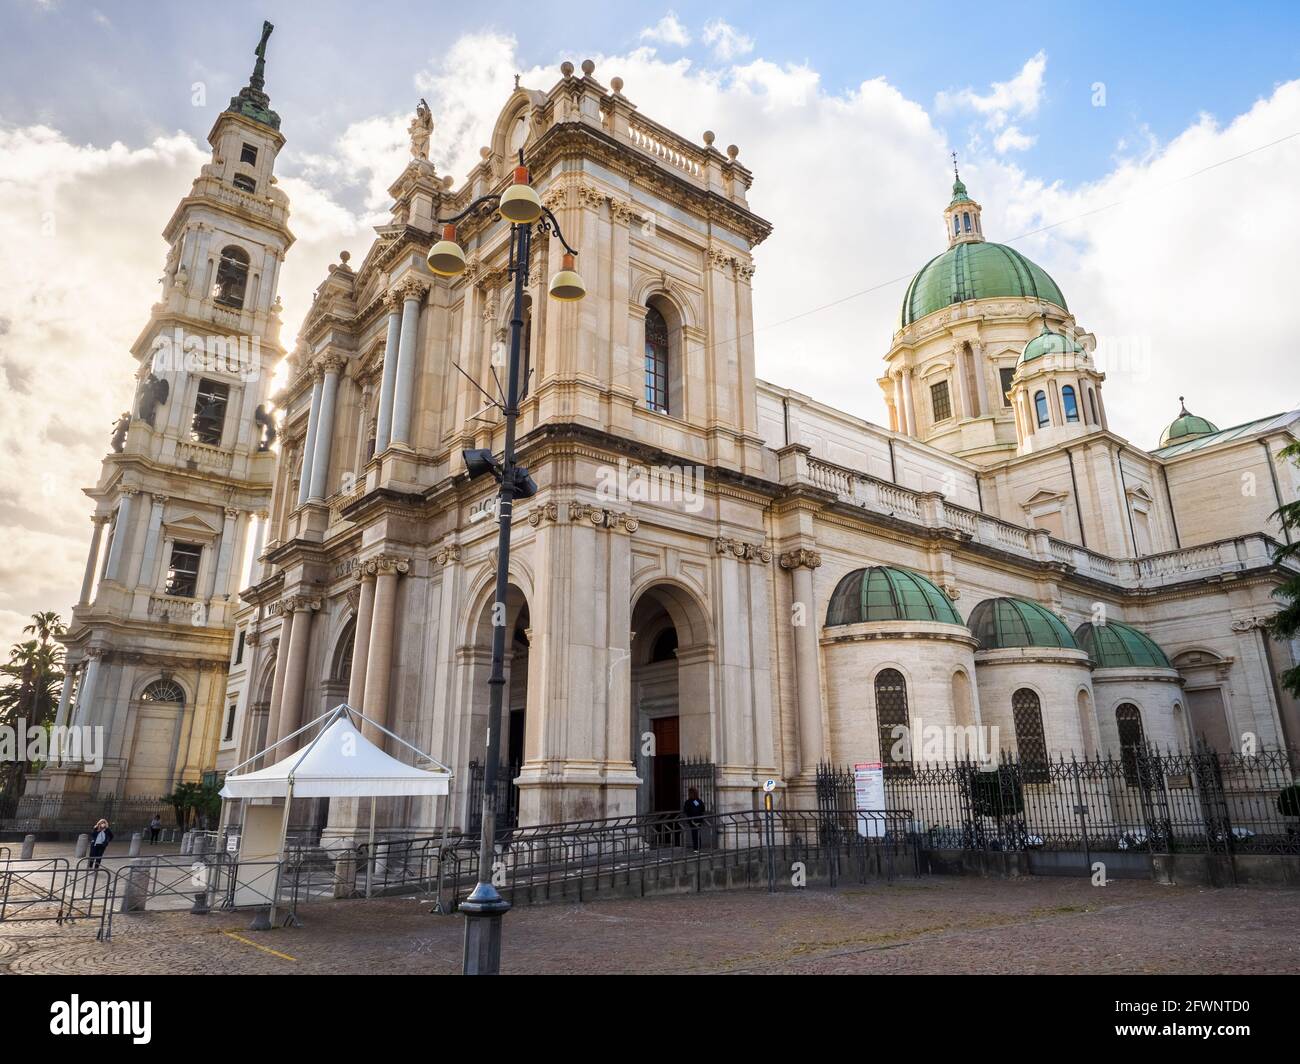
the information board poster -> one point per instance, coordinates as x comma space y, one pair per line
869, 793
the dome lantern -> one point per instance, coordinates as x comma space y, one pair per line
961, 219
1186, 426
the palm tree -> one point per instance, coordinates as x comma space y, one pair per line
30, 685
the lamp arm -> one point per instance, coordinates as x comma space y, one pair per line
554, 227
492, 198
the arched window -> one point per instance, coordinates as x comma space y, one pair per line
1132, 740
342, 668
892, 723
163, 691
1031, 744
966, 220
656, 361
664, 648
1040, 407
232, 277
1092, 404
1068, 401
956, 226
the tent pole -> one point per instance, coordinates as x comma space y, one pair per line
284, 834
370, 849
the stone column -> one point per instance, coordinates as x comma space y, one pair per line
800, 564
981, 385
295, 668
221, 571
361, 641
145, 574
909, 410
65, 694
88, 578
259, 545
320, 462
412, 291
121, 533
309, 447
86, 694
277, 681
388, 383
380, 658
963, 407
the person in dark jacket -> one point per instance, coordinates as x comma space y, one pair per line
155, 826
693, 810
100, 837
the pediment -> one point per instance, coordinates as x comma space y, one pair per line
190, 524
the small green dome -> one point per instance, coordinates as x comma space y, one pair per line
1186, 426
1119, 646
1010, 622
976, 270
1050, 343
959, 193
885, 594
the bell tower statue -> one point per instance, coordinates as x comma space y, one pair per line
181, 502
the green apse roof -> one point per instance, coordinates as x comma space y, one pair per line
1186, 426
1050, 343
976, 270
1119, 646
884, 594
1010, 622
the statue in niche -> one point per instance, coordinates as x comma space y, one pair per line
119, 432
153, 391
265, 420
421, 130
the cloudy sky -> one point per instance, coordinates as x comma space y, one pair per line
1149, 160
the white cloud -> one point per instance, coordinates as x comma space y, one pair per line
1013, 138
1019, 97
668, 30
727, 42
1187, 282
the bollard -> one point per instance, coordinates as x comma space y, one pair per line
29, 847
199, 844
345, 877
83, 846
261, 919
187, 844
200, 906
135, 893
134, 851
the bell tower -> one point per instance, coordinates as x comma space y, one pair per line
181, 502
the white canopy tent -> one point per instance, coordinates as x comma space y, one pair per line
339, 762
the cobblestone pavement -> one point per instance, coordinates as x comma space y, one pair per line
935, 924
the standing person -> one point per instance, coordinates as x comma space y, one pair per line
693, 810
155, 826
100, 837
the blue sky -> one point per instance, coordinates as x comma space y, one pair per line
112, 70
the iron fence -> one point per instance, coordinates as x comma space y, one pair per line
1144, 800
72, 813
507, 798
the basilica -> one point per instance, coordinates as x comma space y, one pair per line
717, 573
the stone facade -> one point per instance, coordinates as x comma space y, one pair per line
670, 578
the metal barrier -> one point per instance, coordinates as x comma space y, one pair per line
55, 889
637, 855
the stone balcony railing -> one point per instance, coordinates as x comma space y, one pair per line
931, 510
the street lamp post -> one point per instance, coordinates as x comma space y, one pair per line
521, 206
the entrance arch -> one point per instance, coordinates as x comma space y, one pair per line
673, 720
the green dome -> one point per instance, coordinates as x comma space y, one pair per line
976, 270
1119, 646
1050, 343
884, 594
1011, 622
1186, 426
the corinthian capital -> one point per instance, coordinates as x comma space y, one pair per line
412, 287
803, 558
386, 563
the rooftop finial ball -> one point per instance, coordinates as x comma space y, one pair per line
732, 151
566, 68
708, 137
448, 181
588, 67
616, 84
344, 256
484, 152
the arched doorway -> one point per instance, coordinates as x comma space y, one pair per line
514, 710
673, 742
